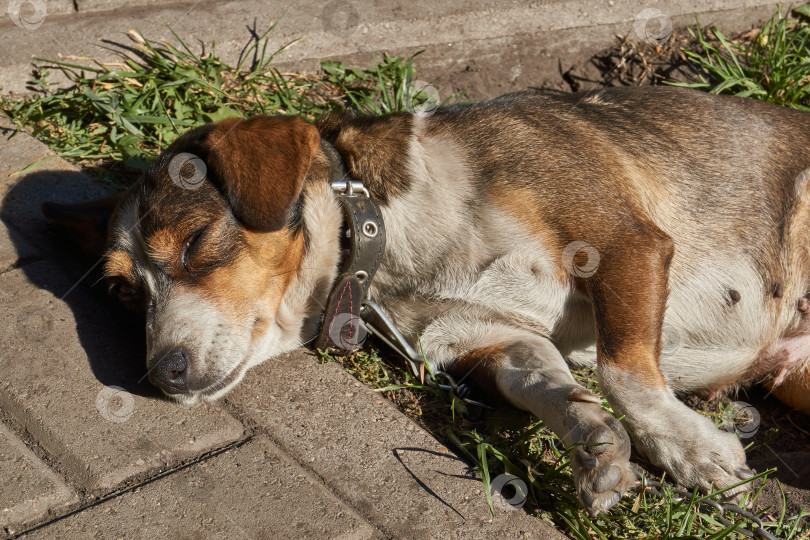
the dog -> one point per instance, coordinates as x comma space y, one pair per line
668, 228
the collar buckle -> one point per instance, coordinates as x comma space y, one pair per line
349, 187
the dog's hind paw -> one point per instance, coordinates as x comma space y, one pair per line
601, 466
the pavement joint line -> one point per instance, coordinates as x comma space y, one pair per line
121, 491
62, 461
33, 437
88, 493
244, 417
19, 263
59, 455
61, 492
238, 413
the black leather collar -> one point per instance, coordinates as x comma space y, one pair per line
363, 241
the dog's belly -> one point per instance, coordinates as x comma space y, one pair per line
722, 326
719, 317
709, 339
717, 320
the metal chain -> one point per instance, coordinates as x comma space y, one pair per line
378, 324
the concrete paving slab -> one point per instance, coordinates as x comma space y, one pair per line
253, 491
62, 356
30, 491
30, 13
21, 205
381, 463
473, 31
24, 235
19, 150
84, 6
13, 253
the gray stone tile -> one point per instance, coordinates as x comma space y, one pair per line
29, 490
253, 491
372, 456
59, 359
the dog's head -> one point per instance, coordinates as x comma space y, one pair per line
208, 243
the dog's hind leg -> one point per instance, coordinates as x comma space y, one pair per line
532, 375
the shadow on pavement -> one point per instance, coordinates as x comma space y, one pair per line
112, 337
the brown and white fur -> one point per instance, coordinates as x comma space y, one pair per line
520, 230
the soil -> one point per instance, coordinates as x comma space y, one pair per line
634, 63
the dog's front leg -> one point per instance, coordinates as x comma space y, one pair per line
629, 293
530, 374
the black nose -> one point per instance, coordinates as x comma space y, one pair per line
170, 372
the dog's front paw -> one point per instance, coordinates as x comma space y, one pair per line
693, 451
601, 466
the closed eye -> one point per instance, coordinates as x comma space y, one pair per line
188, 247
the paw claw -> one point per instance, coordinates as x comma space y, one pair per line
744, 473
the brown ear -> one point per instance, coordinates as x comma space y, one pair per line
260, 165
85, 224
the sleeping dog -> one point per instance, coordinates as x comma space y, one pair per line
668, 228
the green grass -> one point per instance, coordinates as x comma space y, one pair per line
116, 117
519, 444
773, 66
